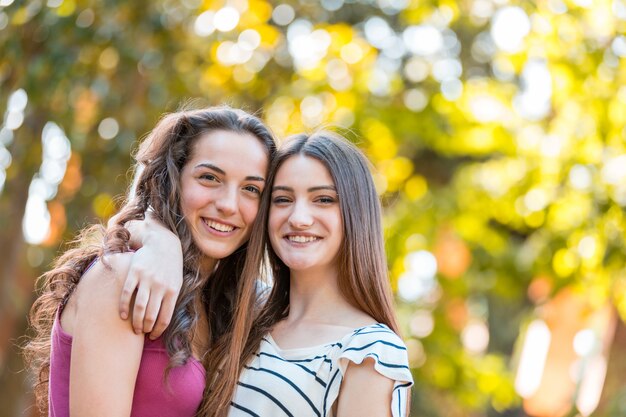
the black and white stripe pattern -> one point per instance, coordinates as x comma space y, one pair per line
305, 382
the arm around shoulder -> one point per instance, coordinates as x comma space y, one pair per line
155, 274
106, 353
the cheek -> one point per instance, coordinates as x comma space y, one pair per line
186, 202
273, 227
273, 232
190, 199
249, 209
274, 221
338, 226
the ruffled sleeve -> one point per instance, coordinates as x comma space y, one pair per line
390, 360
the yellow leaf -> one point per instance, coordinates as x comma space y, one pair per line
382, 144
66, 8
270, 36
564, 262
416, 187
103, 205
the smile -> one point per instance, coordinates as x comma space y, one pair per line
302, 239
220, 227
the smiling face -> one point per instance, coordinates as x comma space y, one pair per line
305, 226
221, 185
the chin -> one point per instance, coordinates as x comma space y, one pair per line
210, 251
299, 264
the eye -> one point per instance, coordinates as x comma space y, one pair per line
208, 177
280, 199
252, 189
325, 199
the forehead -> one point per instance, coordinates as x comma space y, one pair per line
303, 170
227, 148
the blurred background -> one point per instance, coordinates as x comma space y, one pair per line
496, 128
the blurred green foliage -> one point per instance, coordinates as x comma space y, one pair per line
495, 128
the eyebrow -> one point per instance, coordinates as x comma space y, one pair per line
222, 172
312, 189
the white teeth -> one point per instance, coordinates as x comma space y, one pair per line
302, 239
219, 226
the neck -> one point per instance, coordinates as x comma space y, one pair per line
315, 296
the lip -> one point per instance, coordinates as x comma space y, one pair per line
215, 232
305, 234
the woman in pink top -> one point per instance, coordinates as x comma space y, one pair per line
202, 173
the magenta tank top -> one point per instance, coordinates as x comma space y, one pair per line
179, 395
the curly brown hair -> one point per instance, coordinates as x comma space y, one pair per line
161, 157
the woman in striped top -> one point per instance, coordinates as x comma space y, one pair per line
325, 342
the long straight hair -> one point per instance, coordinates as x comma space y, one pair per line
161, 158
363, 274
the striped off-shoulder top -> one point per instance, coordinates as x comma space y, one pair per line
305, 382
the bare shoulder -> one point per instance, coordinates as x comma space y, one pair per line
361, 319
98, 290
107, 273
354, 319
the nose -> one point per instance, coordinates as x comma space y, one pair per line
228, 201
300, 217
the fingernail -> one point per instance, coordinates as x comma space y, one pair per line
124, 315
137, 331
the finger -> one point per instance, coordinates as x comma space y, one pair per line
165, 316
127, 295
152, 311
141, 301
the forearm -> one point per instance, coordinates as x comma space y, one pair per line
155, 277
